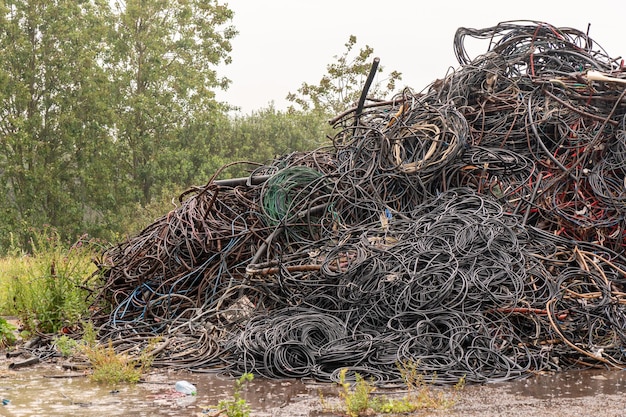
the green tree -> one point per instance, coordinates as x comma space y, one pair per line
199, 149
53, 117
341, 87
164, 68
268, 133
210, 144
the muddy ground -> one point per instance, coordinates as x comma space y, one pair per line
50, 390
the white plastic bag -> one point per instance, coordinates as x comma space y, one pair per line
185, 387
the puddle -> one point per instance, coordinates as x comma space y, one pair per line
570, 384
33, 392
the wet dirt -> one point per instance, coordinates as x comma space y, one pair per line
49, 390
567, 394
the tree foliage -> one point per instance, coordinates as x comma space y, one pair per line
163, 66
342, 86
108, 112
268, 133
53, 113
100, 103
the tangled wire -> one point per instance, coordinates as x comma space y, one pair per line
474, 230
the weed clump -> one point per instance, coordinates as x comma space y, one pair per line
237, 406
49, 288
7, 335
357, 399
108, 366
111, 367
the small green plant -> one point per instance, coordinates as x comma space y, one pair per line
422, 393
357, 399
90, 336
66, 345
395, 405
7, 335
111, 367
238, 406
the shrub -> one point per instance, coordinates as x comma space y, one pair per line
110, 367
357, 399
49, 289
7, 335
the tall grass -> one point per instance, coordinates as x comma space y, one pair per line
47, 285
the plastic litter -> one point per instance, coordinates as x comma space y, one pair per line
186, 388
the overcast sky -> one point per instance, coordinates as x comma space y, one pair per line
283, 43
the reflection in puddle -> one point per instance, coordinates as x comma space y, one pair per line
570, 384
32, 394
